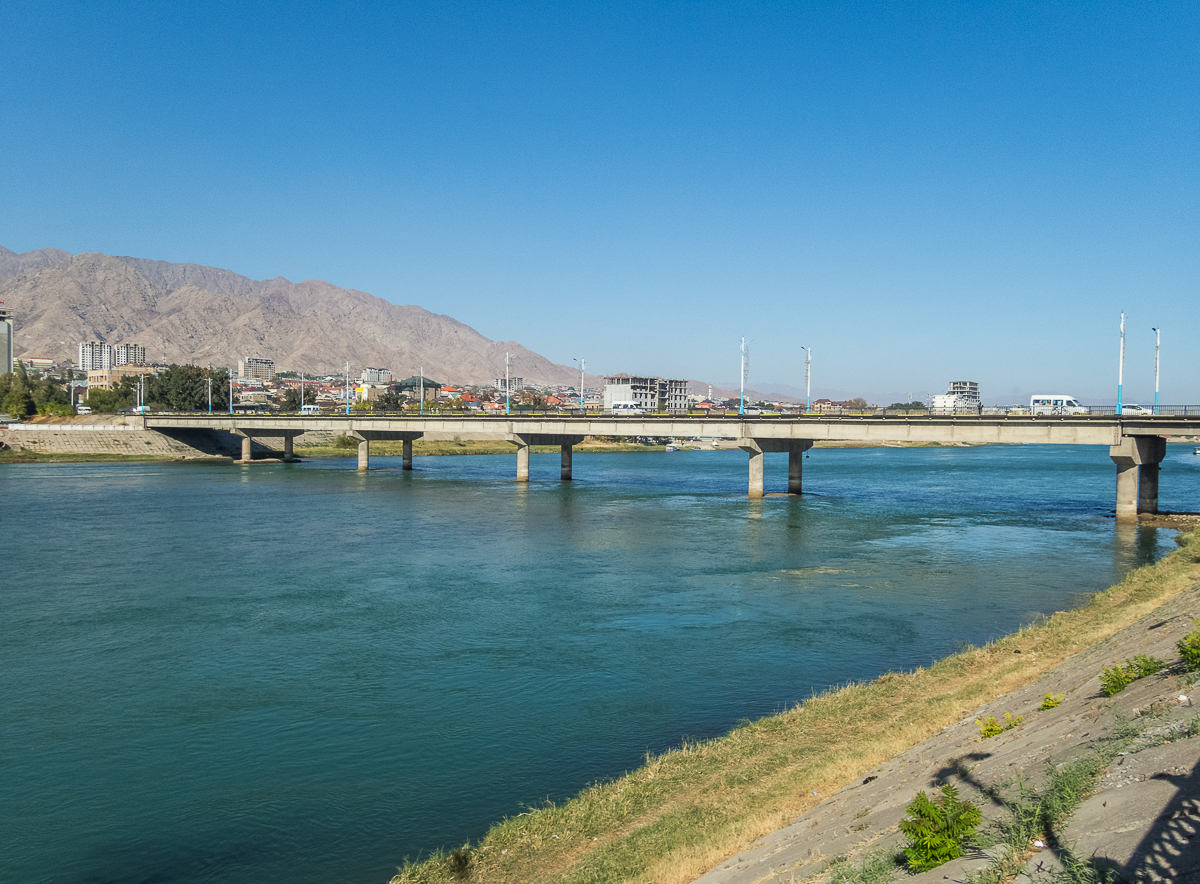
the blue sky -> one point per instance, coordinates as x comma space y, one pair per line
920, 192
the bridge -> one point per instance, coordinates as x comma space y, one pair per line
1136, 445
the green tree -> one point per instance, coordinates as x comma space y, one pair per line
389, 400
19, 402
291, 398
106, 401
907, 406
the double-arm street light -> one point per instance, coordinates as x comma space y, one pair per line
582, 365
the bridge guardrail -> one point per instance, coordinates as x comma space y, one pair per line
1104, 411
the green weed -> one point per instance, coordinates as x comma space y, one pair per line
878, 867
1052, 700
990, 726
1114, 679
1189, 648
937, 829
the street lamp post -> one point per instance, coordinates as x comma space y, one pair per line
1121, 367
1157, 341
347, 389
209, 381
582, 365
742, 400
807, 380
507, 383
421, 381
231, 392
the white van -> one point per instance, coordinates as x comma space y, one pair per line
627, 408
310, 409
1055, 403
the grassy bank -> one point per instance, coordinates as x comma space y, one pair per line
7, 455
426, 447
686, 810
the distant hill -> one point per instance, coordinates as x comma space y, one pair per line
206, 315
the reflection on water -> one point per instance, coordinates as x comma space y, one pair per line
303, 672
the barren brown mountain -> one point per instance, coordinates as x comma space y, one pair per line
208, 316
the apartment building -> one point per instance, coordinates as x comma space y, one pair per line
256, 368
647, 393
95, 356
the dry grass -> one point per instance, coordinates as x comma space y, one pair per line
685, 811
428, 447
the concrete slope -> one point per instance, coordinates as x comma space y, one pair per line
1143, 820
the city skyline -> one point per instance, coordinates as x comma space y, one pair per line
920, 195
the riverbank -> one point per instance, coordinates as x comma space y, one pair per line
691, 810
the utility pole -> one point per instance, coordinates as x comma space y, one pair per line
742, 402
808, 381
302, 392
208, 380
421, 380
1121, 367
507, 384
347, 389
1157, 341
231, 391
582, 365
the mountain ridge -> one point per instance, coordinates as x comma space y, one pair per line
208, 315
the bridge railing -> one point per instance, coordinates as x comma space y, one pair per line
1165, 411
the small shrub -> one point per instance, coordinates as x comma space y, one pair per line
1189, 648
1145, 665
1192, 728
990, 726
345, 441
878, 867
1114, 679
1052, 700
937, 829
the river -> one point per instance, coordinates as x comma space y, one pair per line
303, 673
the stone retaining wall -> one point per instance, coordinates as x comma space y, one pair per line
130, 440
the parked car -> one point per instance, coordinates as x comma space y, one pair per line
1136, 409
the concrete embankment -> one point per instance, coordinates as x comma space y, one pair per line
1140, 822
123, 435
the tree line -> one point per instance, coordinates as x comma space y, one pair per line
22, 396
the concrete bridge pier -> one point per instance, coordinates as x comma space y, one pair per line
757, 447
524, 440
1137, 459
366, 437
248, 438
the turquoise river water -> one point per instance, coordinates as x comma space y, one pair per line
301, 673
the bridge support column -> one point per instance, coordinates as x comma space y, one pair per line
522, 461
288, 452
756, 448
247, 449
365, 437
795, 470
1137, 459
524, 440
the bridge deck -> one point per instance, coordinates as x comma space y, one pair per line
1026, 429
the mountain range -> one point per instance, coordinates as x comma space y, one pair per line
209, 316
189, 313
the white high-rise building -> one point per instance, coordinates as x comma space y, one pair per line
128, 354
6, 340
375, 376
95, 356
256, 368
